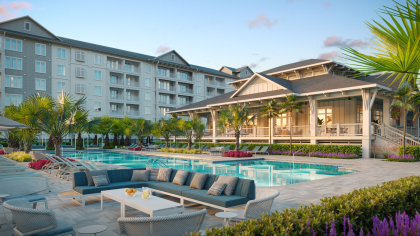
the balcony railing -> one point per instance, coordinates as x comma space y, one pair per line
340, 130
131, 68
221, 84
189, 78
132, 83
210, 82
172, 102
169, 88
284, 131
185, 103
116, 112
116, 81
133, 98
210, 94
113, 66
188, 90
133, 113
169, 74
208, 133
116, 97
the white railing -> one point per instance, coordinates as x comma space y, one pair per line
131, 68
116, 97
410, 130
132, 83
340, 130
297, 130
393, 135
208, 133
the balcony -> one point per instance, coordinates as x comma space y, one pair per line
210, 82
210, 94
186, 90
132, 113
340, 130
117, 81
183, 103
133, 98
168, 88
131, 68
116, 97
116, 112
114, 64
171, 102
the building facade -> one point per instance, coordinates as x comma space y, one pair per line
115, 82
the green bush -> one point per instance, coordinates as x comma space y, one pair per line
50, 148
80, 148
359, 205
19, 156
413, 151
110, 147
4, 144
182, 150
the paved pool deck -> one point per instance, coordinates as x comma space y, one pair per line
371, 173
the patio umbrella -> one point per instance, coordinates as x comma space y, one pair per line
6, 123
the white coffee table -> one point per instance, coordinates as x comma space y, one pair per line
154, 206
227, 216
92, 229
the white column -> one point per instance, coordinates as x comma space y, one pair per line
313, 120
271, 122
386, 119
214, 120
367, 118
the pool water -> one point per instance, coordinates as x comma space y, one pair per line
263, 172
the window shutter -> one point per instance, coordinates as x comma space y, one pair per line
82, 56
82, 72
78, 55
77, 88
82, 89
77, 72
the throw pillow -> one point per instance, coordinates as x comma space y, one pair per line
140, 175
230, 182
199, 180
180, 177
164, 174
100, 180
153, 173
89, 175
216, 189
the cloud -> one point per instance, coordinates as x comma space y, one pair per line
162, 49
326, 4
261, 20
253, 65
328, 55
255, 54
9, 10
263, 59
338, 41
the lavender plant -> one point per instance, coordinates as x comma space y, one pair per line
401, 158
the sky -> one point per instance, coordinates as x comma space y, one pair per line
261, 34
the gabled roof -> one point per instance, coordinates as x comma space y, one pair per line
236, 70
296, 65
173, 52
285, 84
36, 22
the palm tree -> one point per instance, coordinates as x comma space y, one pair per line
235, 117
163, 128
175, 123
141, 128
188, 127
198, 128
127, 123
406, 99
104, 128
291, 105
397, 43
270, 110
91, 127
117, 129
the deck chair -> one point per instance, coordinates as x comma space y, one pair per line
132, 145
172, 146
100, 167
255, 149
227, 148
206, 147
72, 166
54, 163
4, 169
186, 145
216, 146
244, 149
7, 150
193, 146
177, 146
263, 149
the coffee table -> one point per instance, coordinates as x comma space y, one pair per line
92, 229
154, 206
227, 216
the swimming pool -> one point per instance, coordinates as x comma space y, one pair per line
263, 172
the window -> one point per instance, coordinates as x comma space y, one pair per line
198, 99
98, 75
128, 67
97, 91
13, 99
198, 89
27, 26
61, 87
112, 64
128, 108
148, 68
61, 53
114, 93
128, 81
147, 96
182, 75
114, 108
172, 57
80, 88
128, 95
182, 100
40, 66
97, 106
164, 85
40, 84
148, 110
14, 44
282, 120
80, 72
198, 77
40, 49
14, 63
61, 70
325, 115
13, 81
359, 114
97, 59
80, 55
182, 88
114, 79
163, 98
163, 110
246, 72
377, 116
148, 82
163, 72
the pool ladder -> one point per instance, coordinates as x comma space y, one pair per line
159, 162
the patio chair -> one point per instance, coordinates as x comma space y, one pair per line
173, 145
186, 145
54, 163
193, 146
206, 147
36, 222
244, 149
177, 146
171, 225
72, 166
227, 148
216, 146
127, 147
37, 156
255, 149
201, 147
4, 169
100, 167
255, 208
7, 150
263, 149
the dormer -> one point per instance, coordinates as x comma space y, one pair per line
27, 25
260, 83
173, 57
241, 72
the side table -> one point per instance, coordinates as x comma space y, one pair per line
92, 229
227, 216
3, 196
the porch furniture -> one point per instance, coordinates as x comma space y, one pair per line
3, 196
244, 149
216, 150
132, 145
154, 206
227, 216
7, 150
71, 167
37, 156
285, 132
171, 225
35, 222
262, 204
244, 190
92, 229
255, 149
263, 149
25, 188
54, 163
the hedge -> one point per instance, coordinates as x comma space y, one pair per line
359, 205
347, 149
413, 151
4, 144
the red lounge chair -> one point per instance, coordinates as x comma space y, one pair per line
138, 148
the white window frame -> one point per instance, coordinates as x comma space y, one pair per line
198, 78
96, 73
62, 70
11, 83
148, 110
325, 109
9, 94
40, 67
45, 84
98, 104
148, 96
21, 44
146, 82
148, 68
17, 58
61, 84
198, 89
61, 53
95, 61
40, 50
24, 25
97, 89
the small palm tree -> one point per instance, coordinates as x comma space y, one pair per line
104, 128
270, 110
235, 117
163, 128
175, 124
117, 129
291, 105
406, 99
199, 128
188, 128
141, 128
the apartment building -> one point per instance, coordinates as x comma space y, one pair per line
115, 82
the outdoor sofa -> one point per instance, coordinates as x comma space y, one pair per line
243, 192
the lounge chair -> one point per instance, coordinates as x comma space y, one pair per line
7, 163
134, 147
72, 166
128, 147
4, 169
173, 145
177, 146
7, 150
263, 149
255, 208
255, 149
100, 167
227, 148
201, 147
182, 224
33, 222
244, 149
216, 146
37, 156
54, 163
185, 145
193, 146
206, 147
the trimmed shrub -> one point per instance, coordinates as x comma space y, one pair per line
50, 148
19, 156
181, 150
110, 147
359, 205
333, 155
401, 158
4, 144
237, 154
38, 164
413, 151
